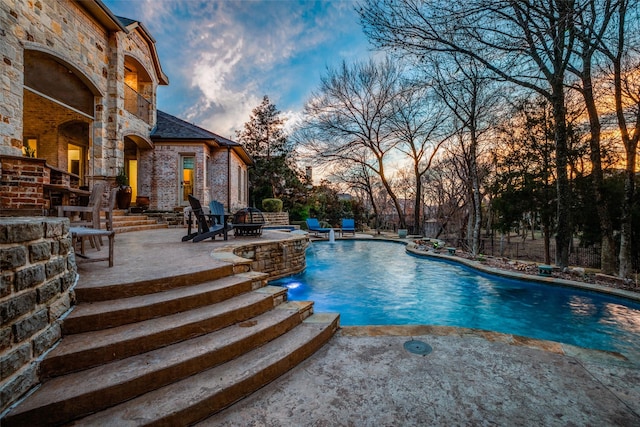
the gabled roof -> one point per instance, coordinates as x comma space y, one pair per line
171, 128
130, 25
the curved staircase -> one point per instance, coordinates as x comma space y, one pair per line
171, 351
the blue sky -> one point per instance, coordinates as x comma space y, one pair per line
222, 57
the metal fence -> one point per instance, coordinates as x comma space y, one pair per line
534, 251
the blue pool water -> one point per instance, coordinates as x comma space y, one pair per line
378, 283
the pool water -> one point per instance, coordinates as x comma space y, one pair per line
378, 283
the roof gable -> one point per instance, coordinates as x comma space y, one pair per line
171, 127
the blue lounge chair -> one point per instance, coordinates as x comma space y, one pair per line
348, 226
314, 225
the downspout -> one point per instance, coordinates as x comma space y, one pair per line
229, 178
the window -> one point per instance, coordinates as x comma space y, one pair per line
30, 147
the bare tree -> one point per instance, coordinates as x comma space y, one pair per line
528, 43
621, 48
360, 179
444, 195
591, 24
351, 113
472, 98
417, 123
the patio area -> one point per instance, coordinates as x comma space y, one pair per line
365, 377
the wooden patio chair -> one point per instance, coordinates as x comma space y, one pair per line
86, 216
206, 227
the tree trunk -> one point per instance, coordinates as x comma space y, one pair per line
626, 266
607, 243
417, 223
563, 207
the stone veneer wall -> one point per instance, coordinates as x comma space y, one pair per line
276, 218
37, 271
277, 259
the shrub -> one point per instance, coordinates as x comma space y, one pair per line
272, 205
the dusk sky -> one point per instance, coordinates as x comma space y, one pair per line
222, 57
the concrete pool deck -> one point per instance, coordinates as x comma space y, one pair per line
365, 377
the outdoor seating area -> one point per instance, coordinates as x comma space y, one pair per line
313, 225
208, 226
85, 224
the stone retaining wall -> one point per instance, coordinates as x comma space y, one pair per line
37, 271
278, 258
276, 218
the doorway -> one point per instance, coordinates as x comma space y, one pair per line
187, 178
75, 160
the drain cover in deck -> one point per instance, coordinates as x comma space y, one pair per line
417, 347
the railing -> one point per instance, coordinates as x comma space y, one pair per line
137, 104
579, 256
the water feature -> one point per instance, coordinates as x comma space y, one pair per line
378, 283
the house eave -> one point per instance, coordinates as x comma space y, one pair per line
102, 14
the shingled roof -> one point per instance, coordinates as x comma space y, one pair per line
171, 127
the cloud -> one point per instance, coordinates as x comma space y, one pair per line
223, 56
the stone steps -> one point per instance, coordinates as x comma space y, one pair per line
135, 287
201, 395
112, 313
124, 222
170, 350
90, 349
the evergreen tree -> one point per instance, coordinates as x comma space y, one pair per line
264, 138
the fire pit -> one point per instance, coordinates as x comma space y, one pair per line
248, 222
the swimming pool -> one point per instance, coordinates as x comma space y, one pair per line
378, 283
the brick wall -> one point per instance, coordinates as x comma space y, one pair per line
279, 258
21, 183
37, 272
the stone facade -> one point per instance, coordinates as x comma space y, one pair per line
80, 85
38, 271
83, 50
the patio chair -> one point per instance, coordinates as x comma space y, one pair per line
206, 227
314, 225
348, 226
86, 216
217, 214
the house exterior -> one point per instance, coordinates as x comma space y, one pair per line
192, 160
78, 90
